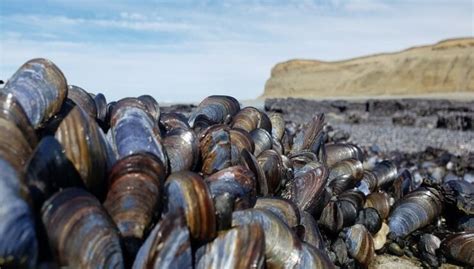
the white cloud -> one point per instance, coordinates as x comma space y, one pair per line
229, 52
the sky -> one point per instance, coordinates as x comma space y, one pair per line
183, 51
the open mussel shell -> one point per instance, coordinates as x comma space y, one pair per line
284, 209
278, 125
262, 140
360, 244
459, 247
81, 233
14, 147
134, 130
238, 181
271, 164
215, 148
338, 152
11, 110
182, 149
86, 147
416, 210
214, 109
307, 190
312, 136
42, 81
239, 247
308, 231
240, 140
167, 246
381, 202
189, 192
135, 191
250, 118
83, 99
49, 169
18, 244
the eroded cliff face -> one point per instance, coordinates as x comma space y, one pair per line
445, 67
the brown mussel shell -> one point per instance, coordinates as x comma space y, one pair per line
459, 247
182, 149
284, 209
239, 247
167, 246
135, 191
338, 152
85, 146
188, 191
360, 244
380, 201
215, 148
83, 99
81, 233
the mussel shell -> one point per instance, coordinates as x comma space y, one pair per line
338, 214
356, 197
306, 190
239, 247
40, 87
240, 140
368, 183
11, 110
247, 119
249, 161
281, 244
428, 245
385, 172
167, 246
459, 194
134, 130
18, 244
349, 168
86, 147
284, 209
402, 185
238, 181
459, 247
271, 164
312, 136
311, 257
215, 148
278, 125
83, 99
101, 107
262, 140
14, 147
188, 191
308, 231
81, 233
414, 211
380, 201
338, 152
370, 218
182, 149
49, 169
214, 109
135, 191
173, 120
152, 106
360, 244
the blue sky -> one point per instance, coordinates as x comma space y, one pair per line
186, 50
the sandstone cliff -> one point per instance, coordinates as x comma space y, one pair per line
442, 68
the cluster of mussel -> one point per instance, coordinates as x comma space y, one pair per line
90, 184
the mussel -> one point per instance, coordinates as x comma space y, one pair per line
134, 197
417, 209
18, 244
213, 110
360, 244
188, 191
459, 247
81, 233
40, 87
167, 246
182, 149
